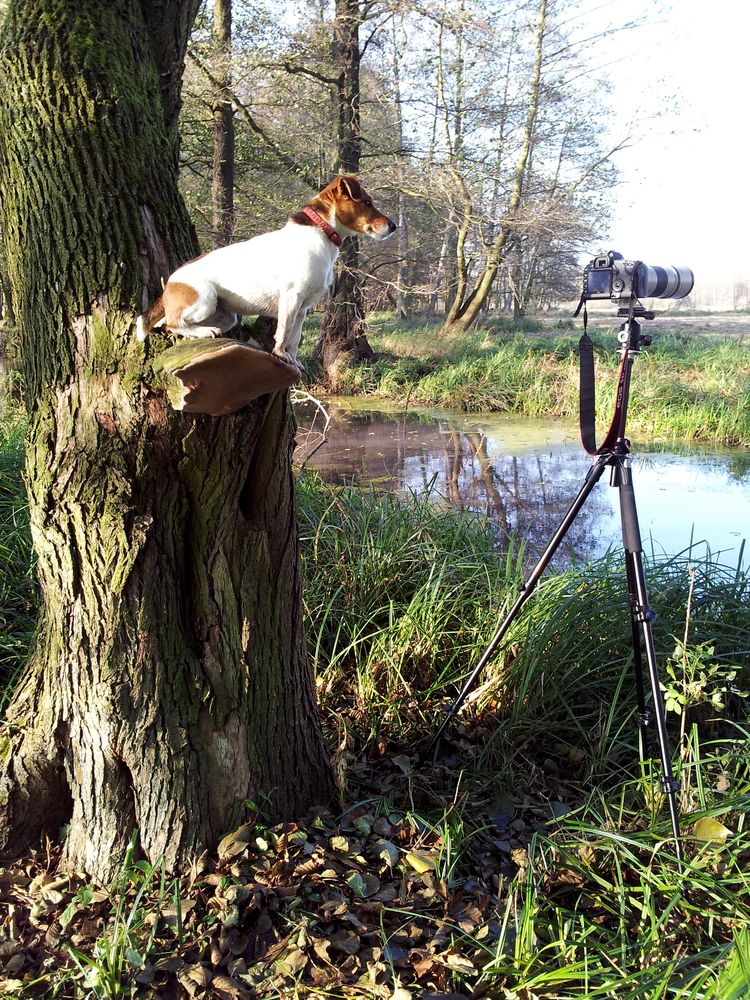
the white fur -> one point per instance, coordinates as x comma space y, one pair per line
140, 328
279, 274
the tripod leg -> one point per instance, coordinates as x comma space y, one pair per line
643, 615
644, 716
592, 478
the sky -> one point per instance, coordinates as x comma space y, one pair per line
684, 190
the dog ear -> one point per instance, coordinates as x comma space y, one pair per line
350, 187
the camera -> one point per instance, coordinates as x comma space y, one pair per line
610, 276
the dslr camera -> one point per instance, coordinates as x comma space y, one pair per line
610, 276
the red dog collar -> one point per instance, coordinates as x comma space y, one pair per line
313, 216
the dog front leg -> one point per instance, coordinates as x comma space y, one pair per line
295, 337
284, 345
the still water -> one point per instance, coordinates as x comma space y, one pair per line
525, 473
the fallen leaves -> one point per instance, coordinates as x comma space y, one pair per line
353, 904
711, 830
374, 903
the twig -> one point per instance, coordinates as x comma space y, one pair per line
300, 396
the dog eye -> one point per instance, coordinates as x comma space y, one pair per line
368, 203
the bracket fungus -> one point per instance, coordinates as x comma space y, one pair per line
220, 376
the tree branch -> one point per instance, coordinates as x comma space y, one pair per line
295, 68
303, 172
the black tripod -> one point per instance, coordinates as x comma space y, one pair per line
613, 453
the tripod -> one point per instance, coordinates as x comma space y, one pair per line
613, 454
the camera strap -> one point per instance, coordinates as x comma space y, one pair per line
587, 397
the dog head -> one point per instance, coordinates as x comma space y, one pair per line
354, 211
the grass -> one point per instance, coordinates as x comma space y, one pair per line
690, 387
533, 859
592, 906
402, 596
17, 588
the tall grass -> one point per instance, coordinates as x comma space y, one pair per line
401, 599
396, 594
402, 596
17, 588
694, 388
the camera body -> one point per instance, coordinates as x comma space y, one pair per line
610, 276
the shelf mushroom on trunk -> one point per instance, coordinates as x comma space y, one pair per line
220, 376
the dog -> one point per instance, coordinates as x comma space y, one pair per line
281, 273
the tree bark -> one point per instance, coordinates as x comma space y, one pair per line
343, 337
169, 681
222, 188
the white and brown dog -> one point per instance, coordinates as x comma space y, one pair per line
281, 274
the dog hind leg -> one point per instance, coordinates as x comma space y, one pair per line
190, 309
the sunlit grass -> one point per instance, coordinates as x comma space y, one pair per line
689, 387
597, 906
402, 597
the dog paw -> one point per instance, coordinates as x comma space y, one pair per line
286, 357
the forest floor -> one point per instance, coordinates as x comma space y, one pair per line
532, 858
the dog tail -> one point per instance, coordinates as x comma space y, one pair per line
151, 318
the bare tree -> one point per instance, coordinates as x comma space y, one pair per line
222, 189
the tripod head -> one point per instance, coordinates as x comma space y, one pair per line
631, 336
636, 311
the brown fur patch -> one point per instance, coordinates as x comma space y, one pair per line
153, 315
177, 296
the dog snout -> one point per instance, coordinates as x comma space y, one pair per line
386, 228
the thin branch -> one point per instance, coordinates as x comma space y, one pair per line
300, 396
270, 144
296, 69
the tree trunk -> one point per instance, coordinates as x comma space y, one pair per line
343, 337
222, 187
396, 28
344, 333
169, 681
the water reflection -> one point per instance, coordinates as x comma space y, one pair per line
524, 474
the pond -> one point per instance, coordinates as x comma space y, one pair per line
525, 473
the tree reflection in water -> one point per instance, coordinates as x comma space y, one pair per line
523, 489
523, 474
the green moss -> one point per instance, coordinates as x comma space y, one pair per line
103, 345
70, 211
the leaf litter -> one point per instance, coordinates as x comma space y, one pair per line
364, 904
380, 901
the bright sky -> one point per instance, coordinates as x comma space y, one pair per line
684, 195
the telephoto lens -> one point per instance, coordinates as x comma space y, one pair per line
662, 282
